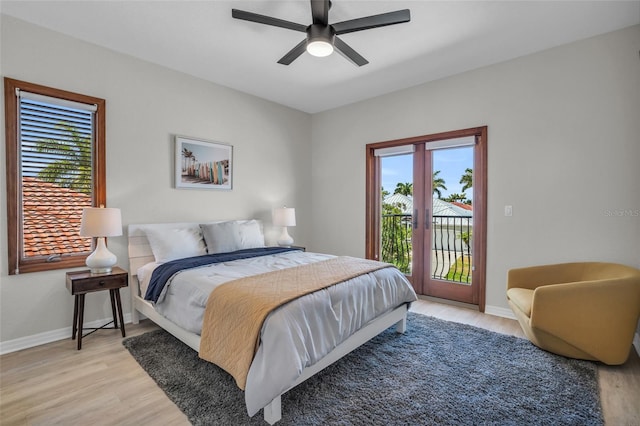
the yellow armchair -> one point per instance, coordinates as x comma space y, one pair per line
585, 310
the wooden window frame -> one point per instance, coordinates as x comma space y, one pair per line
14, 229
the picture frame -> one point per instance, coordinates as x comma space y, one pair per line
203, 164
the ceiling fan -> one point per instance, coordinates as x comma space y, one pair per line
322, 37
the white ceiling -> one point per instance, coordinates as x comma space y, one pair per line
443, 38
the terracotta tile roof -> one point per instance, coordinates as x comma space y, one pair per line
52, 218
463, 205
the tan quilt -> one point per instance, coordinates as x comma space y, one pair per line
236, 310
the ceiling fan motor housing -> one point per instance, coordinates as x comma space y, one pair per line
319, 32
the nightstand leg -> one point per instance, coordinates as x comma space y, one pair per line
75, 318
80, 319
113, 307
117, 291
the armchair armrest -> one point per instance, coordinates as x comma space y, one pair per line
577, 312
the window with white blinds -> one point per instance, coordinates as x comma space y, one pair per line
58, 145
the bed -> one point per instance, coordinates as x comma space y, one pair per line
291, 346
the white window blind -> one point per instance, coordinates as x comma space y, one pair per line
56, 101
394, 150
451, 143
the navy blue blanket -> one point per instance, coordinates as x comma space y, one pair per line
164, 272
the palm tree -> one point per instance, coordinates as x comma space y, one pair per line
404, 188
73, 167
438, 184
456, 197
186, 154
189, 158
467, 179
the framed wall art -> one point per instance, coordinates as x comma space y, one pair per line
203, 164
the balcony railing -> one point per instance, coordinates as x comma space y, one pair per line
450, 245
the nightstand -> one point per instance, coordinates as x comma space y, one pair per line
80, 283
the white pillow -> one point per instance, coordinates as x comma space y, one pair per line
178, 243
144, 276
251, 235
221, 237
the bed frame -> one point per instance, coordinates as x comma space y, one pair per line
140, 254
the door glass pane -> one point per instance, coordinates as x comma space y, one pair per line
397, 211
452, 214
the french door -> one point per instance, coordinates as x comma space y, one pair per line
439, 242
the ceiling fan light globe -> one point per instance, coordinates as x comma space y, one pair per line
320, 48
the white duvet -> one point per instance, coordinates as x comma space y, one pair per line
297, 334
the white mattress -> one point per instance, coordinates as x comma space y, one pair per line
299, 333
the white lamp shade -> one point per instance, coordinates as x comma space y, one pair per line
285, 216
101, 222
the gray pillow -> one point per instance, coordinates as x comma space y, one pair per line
222, 237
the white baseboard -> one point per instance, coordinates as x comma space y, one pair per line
49, 336
499, 311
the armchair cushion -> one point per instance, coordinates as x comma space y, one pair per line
522, 298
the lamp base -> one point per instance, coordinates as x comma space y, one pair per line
98, 271
285, 239
101, 260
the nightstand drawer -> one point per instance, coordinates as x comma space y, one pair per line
84, 282
97, 284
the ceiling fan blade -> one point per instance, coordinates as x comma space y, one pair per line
268, 20
320, 11
349, 53
293, 54
373, 21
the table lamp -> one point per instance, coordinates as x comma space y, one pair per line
101, 222
284, 217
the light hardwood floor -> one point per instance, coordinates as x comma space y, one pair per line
103, 385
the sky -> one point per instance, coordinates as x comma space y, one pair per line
451, 163
205, 152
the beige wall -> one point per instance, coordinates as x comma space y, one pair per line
564, 151
563, 145
146, 106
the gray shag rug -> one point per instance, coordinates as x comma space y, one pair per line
437, 373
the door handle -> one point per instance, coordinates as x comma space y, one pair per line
426, 219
